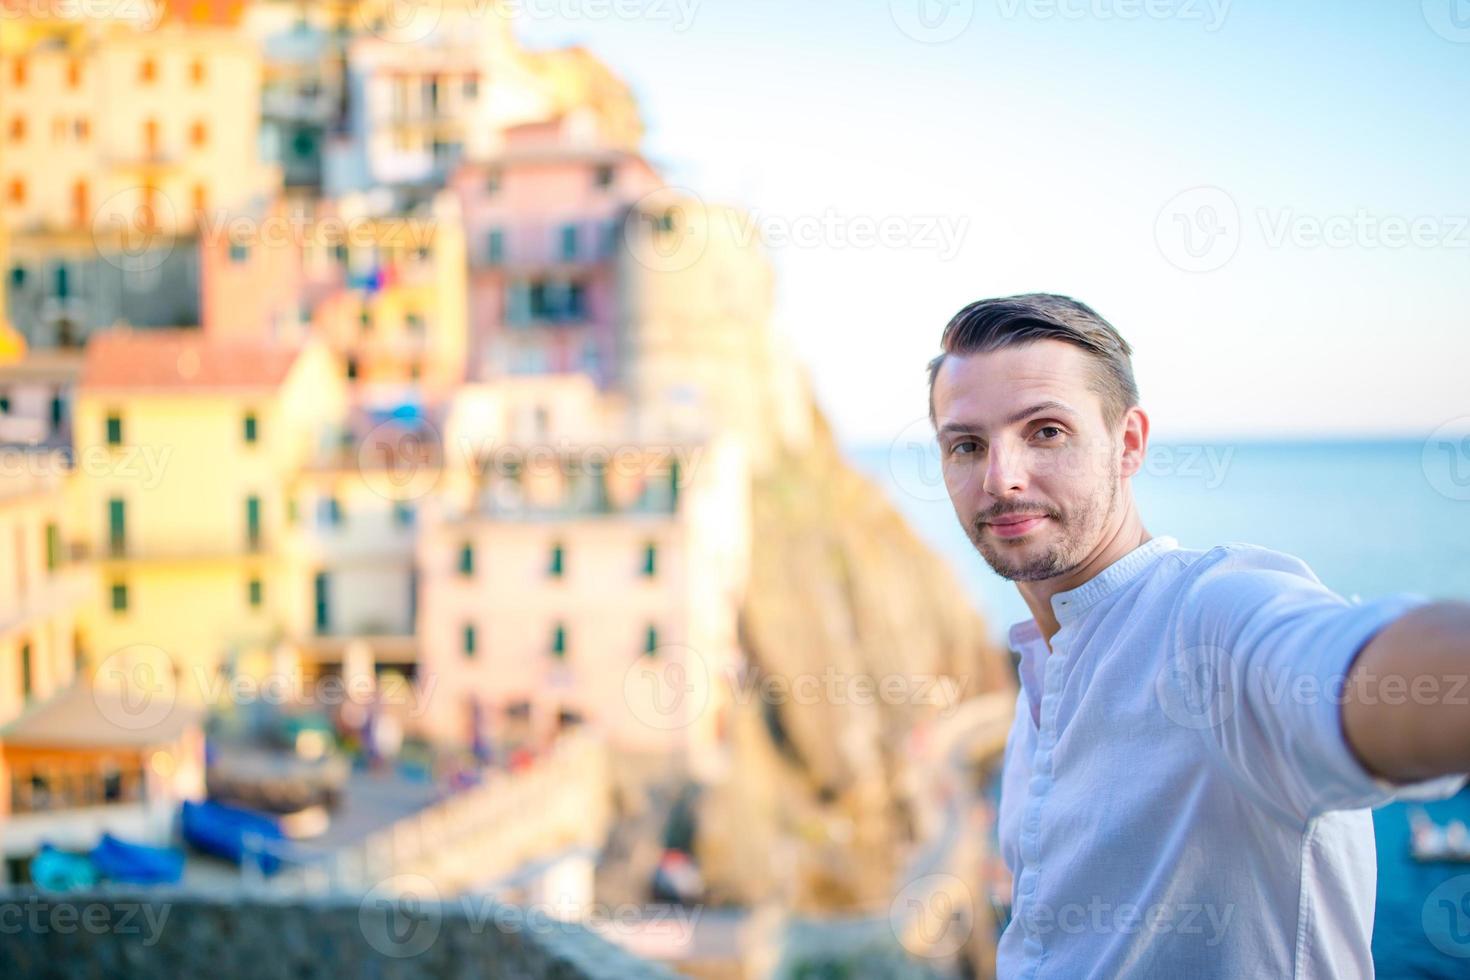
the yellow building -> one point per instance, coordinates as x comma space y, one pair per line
43, 592
391, 298
187, 448
127, 128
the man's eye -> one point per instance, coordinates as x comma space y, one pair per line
959, 448
1049, 432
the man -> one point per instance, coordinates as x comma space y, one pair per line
1199, 735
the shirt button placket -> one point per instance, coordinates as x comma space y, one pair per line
1040, 787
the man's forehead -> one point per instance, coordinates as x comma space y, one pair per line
987, 386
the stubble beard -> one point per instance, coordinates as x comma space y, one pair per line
1078, 531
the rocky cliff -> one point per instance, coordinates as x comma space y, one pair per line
858, 637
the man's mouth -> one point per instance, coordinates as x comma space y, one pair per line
1015, 525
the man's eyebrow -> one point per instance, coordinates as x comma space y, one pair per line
1025, 413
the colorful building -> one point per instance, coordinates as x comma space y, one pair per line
122, 134
190, 447
565, 565
544, 220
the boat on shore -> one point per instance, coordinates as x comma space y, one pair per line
1429, 841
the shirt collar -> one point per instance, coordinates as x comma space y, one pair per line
1068, 606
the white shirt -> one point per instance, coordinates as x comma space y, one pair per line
1178, 799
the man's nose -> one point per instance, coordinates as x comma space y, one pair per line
1005, 472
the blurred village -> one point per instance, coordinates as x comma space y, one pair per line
403, 482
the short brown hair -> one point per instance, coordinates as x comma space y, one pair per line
994, 324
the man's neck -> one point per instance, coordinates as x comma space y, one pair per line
1126, 537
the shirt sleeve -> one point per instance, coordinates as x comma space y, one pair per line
1262, 649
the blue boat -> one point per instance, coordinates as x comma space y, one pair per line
119, 860
61, 871
222, 831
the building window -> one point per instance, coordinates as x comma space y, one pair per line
252, 522
650, 641
559, 641
83, 129
650, 560
495, 248
239, 253
557, 568
467, 559
351, 369
18, 72
201, 198
252, 434
17, 276
148, 70
53, 547
469, 640
414, 322
323, 614
329, 512
119, 597
114, 429
199, 134
17, 129
58, 410
403, 514
117, 526
256, 591
74, 73
604, 176
17, 193
27, 681
4, 404
197, 71
569, 242
492, 182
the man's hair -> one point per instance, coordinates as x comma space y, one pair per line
1010, 321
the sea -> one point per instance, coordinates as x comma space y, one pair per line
1371, 518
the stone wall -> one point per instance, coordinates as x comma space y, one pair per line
176, 934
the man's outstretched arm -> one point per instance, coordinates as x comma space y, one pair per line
1406, 707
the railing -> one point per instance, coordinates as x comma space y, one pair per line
481, 834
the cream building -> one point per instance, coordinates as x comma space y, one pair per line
127, 131
571, 573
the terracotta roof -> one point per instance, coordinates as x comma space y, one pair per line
83, 717
224, 13
184, 358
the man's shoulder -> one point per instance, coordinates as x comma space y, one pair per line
1235, 558
1220, 588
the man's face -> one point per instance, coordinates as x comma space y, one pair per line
1032, 469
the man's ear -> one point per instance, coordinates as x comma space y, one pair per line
1135, 440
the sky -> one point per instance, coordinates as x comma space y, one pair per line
1270, 201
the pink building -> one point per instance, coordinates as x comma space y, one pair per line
544, 223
